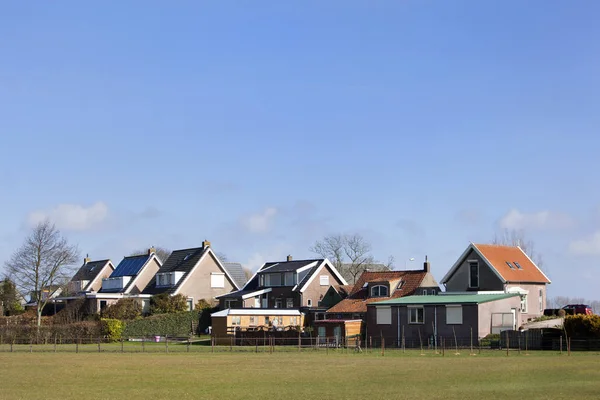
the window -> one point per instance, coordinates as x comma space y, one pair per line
265, 301
321, 331
324, 280
289, 279
267, 280
400, 284
293, 320
510, 265
309, 302
262, 280
289, 303
424, 292
236, 320
190, 304
229, 303
454, 315
217, 280
433, 292
252, 320
275, 279
102, 304
416, 315
384, 315
278, 321
518, 265
541, 300
278, 303
524, 303
473, 274
257, 302
379, 291
267, 321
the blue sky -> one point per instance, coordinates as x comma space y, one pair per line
263, 126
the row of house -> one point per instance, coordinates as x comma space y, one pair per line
489, 288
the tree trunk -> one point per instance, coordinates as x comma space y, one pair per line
39, 317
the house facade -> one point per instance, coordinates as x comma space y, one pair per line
88, 278
128, 279
485, 268
197, 273
292, 285
374, 286
456, 317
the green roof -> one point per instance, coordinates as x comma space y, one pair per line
446, 299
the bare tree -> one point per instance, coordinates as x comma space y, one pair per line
515, 237
248, 273
162, 252
45, 258
221, 256
349, 254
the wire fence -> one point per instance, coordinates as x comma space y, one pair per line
440, 346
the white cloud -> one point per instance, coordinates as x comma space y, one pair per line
587, 246
259, 222
72, 217
515, 219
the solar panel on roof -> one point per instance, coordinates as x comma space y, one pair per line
129, 266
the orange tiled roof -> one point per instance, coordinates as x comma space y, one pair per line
497, 256
358, 299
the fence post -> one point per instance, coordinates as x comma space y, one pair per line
143, 344
212, 343
371, 343
519, 342
326, 345
188, 345
443, 347
299, 340
11, 345
231, 343
256, 344
507, 343
99, 339
526, 344
121, 345
166, 343
569, 346
382, 346
77, 345
31, 345
561, 345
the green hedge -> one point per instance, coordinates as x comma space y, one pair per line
176, 324
87, 330
582, 325
112, 328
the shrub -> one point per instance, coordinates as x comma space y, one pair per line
67, 333
112, 329
201, 305
164, 303
124, 309
74, 311
582, 325
174, 324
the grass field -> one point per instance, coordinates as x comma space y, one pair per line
306, 375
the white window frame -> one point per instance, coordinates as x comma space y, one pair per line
383, 315
324, 280
294, 320
236, 320
278, 303
476, 262
190, 304
424, 292
289, 302
309, 302
252, 320
217, 280
457, 318
415, 310
372, 288
228, 303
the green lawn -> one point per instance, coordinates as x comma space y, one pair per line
305, 375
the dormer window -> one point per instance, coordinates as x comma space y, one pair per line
379, 291
400, 284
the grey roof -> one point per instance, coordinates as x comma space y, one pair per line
237, 273
179, 260
288, 266
89, 271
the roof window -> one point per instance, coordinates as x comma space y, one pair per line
518, 265
510, 265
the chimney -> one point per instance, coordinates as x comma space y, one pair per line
151, 250
87, 259
289, 258
426, 265
205, 244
